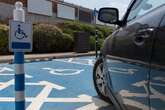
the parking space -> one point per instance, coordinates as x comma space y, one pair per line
60, 84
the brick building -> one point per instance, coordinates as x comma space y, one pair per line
49, 11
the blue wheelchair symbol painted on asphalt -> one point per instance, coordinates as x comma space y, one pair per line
19, 33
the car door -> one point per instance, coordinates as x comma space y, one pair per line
157, 74
129, 54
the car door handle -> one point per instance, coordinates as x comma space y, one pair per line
141, 35
144, 33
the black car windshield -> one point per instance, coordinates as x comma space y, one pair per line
143, 6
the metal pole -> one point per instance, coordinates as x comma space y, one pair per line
19, 15
96, 43
95, 15
96, 33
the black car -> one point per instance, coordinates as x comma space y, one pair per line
130, 71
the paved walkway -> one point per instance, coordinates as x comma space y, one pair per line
9, 58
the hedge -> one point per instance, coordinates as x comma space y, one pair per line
3, 39
60, 38
74, 26
49, 38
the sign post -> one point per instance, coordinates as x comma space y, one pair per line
20, 41
96, 33
95, 15
96, 43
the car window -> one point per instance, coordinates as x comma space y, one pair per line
143, 6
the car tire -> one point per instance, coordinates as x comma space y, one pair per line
99, 77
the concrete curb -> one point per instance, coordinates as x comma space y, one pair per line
44, 57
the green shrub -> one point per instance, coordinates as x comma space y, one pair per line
61, 39
106, 31
92, 43
3, 39
49, 38
100, 43
74, 26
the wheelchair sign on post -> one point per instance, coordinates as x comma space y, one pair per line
20, 36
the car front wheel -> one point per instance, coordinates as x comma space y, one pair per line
100, 81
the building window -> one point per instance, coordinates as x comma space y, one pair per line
85, 16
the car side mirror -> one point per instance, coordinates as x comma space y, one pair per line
108, 15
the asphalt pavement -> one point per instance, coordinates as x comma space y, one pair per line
59, 84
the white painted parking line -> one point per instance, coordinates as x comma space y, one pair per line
90, 62
73, 62
3, 69
81, 98
6, 74
38, 101
70, 59
63, 72
95, 105
6, 84
9, 74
